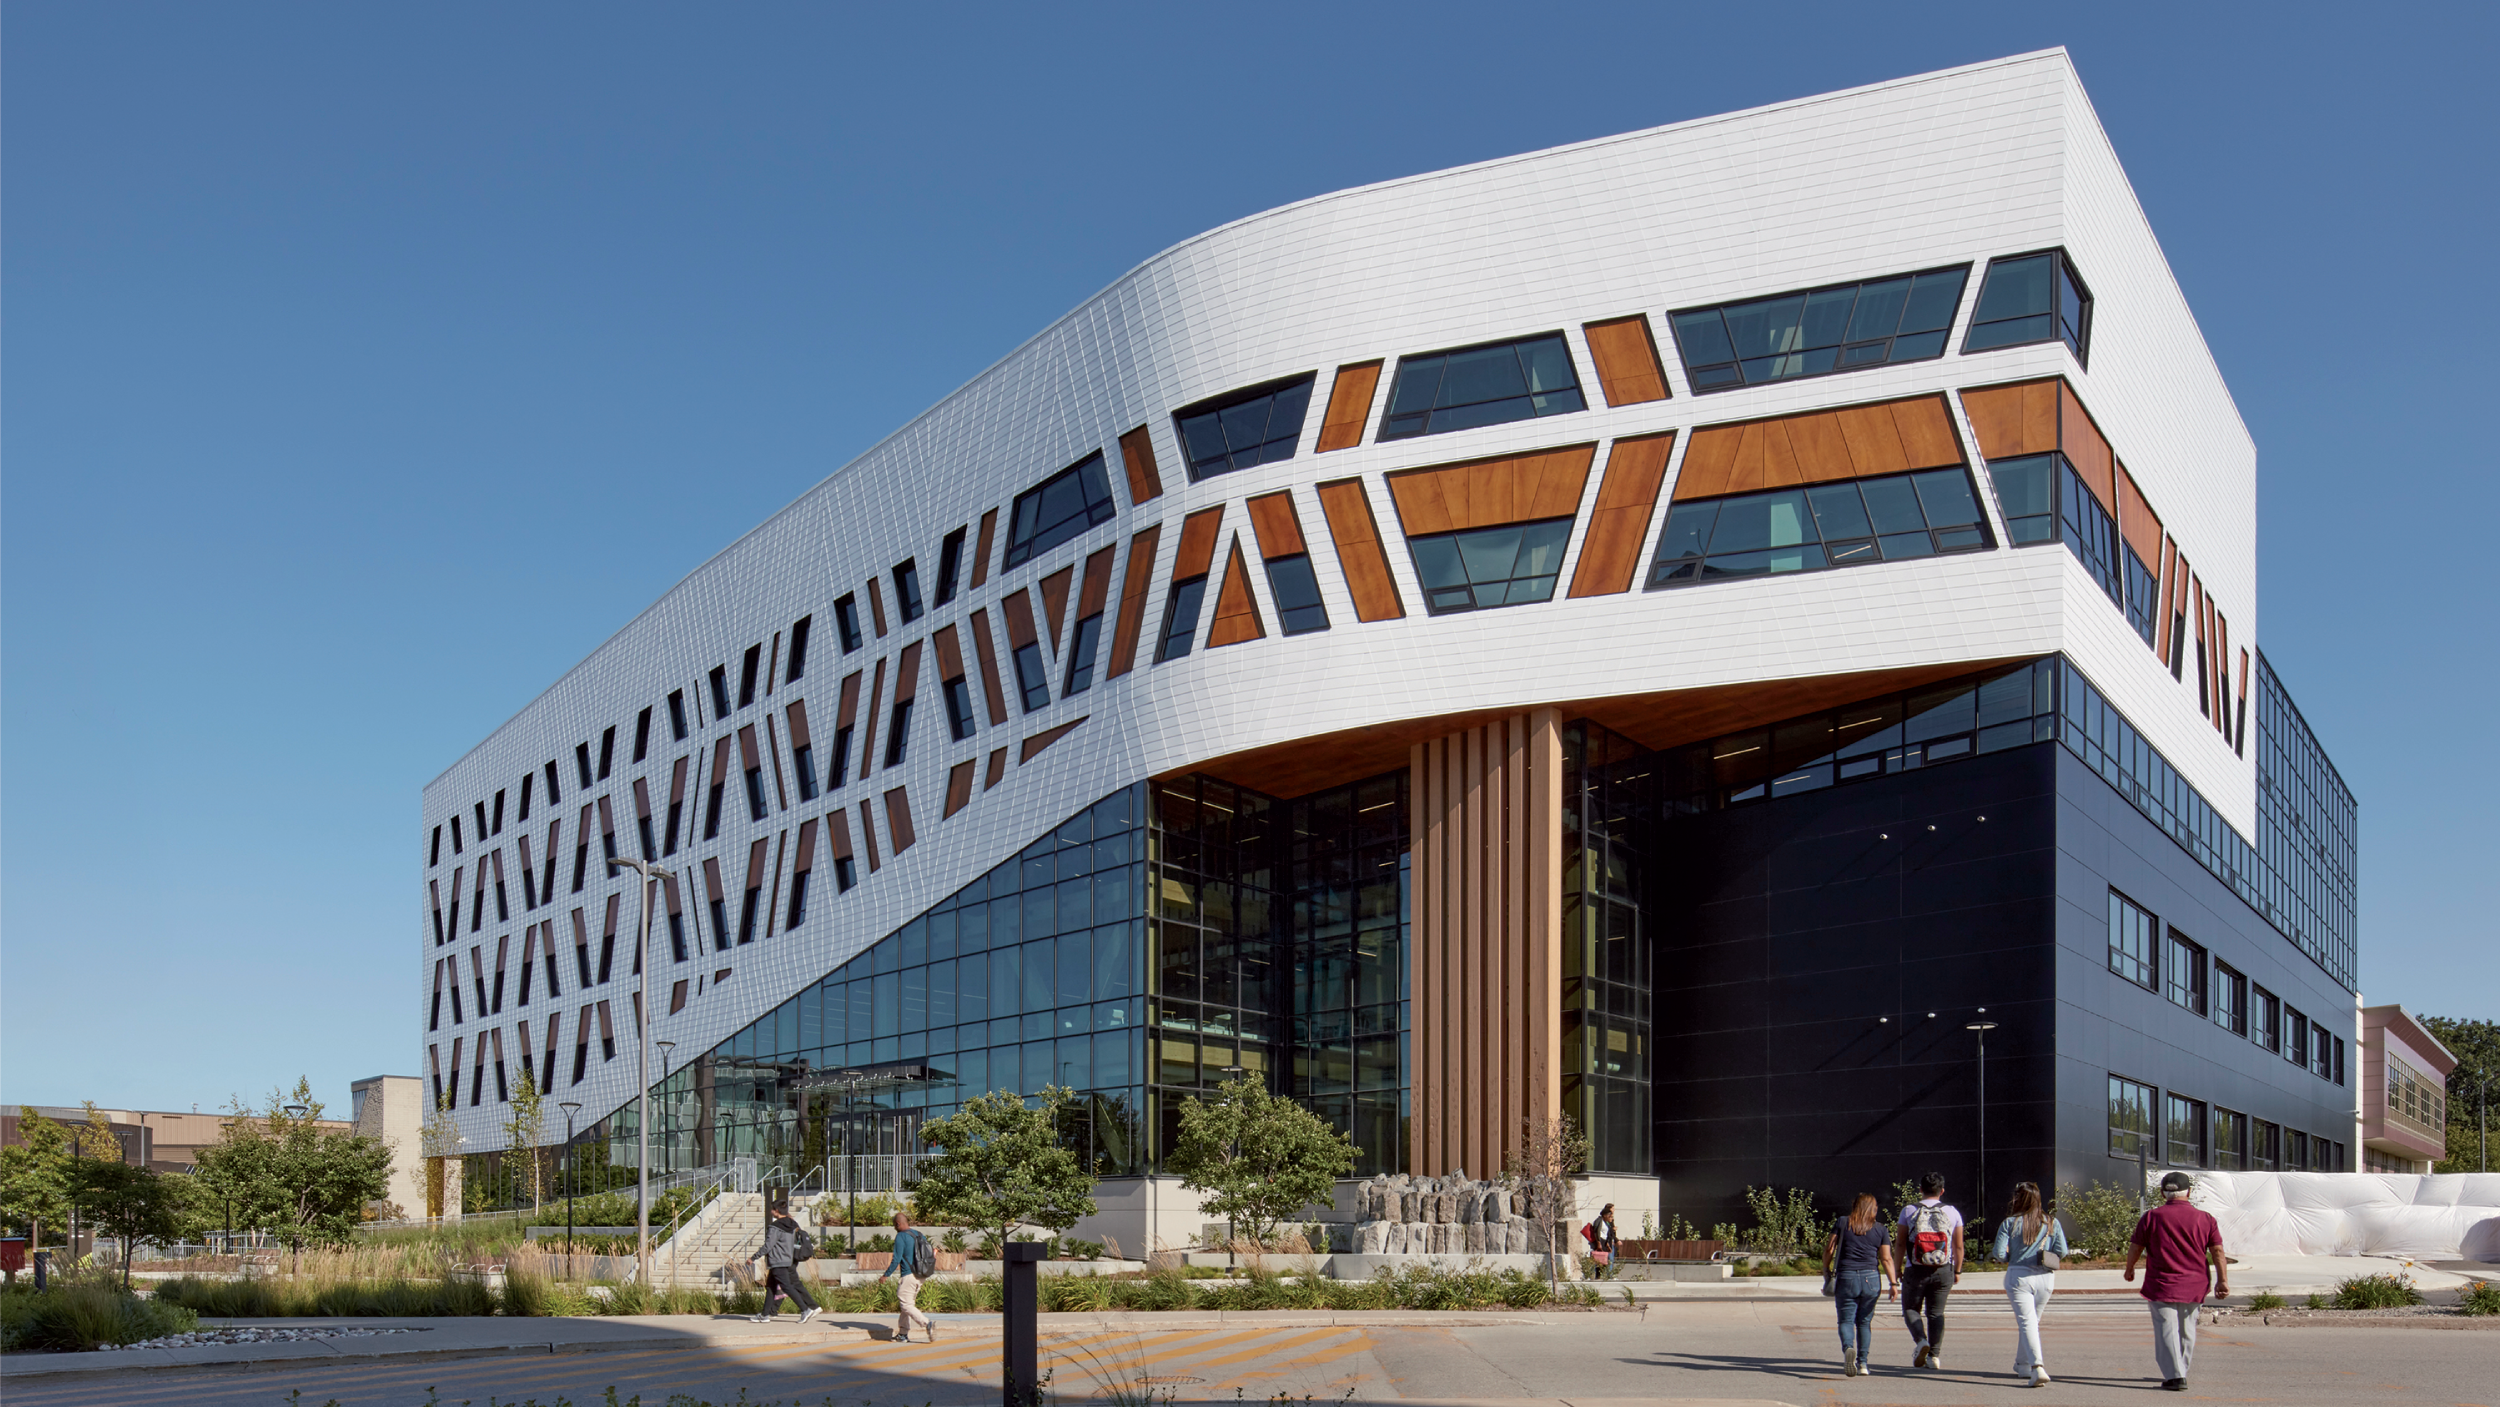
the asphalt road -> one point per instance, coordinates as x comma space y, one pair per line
1700, 1352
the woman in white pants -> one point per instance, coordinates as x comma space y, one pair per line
2031, 1244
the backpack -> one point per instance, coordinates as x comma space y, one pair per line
1931, 1235
923, 1257
804, 1247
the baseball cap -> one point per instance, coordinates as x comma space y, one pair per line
2177, 1182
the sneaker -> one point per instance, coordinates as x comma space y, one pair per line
1919, 1359
1848, 1362
2174, 1384
902, 1338
2039, 1376
763, 1319
809, 1314
1934, 1359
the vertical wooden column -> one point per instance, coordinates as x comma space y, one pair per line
1486, 956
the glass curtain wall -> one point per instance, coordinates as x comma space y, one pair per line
1348, 871
1219, 998
1607, 791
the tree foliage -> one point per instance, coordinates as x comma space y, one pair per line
129, 1204
1002, 1164
287, 1176
2476, 1045
1259, 1158
524, 1130
38, 1174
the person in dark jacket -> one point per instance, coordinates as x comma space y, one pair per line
905, 1265
780, 1253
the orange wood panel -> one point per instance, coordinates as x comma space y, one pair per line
846, 712
1626, 353
2137, 522
1133, 588
1055, 601
799, 737
1485, 493
958, 787
1820, 445
997, 771
898, 831
1197, 552
876, 606
1351, 527
950, 652
1033, 746
1349, 406
1236, 609
868, 724
981, 550
1279, 528
2168, 568
2086, 448
1137, 451
1996, 419
1627, 497
1710, 462
868, 835
1874, 446
1925, 426
1020, 631
1097, 587
907, 674
990, 687
2040, 414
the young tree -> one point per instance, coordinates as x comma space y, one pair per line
524, 1129
1001, 1165
1551, 1150
129, 1203
292, 1179
1261, 1158
35, 1176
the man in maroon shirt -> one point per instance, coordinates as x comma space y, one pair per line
2177, 1242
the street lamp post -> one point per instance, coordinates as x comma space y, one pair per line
652, 878
665, 1048
570, 1108
1982, 1028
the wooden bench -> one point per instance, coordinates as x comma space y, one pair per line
1693, 1251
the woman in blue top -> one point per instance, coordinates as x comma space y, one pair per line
2030, 1242
1859, 1251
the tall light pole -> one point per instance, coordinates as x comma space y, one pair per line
652, 878
1982, 1028
570, 1108
665, 1048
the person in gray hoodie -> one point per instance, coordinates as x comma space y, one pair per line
784, 1246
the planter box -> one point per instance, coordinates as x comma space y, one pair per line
877, 1261
1670, 1250
1364, 1267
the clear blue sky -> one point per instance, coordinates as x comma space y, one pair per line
367, 365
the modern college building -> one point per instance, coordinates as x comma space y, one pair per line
1673, 630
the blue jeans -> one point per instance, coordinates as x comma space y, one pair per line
1853, 1299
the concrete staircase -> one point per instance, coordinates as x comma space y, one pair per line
728, 1230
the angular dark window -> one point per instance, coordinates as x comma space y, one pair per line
959, 707
798, 900
950, 566
1245, 428
2183, 973
1847, 524
581, 763
841, 760
1295, 586
551, 782
798, 650
1082, 648
746, 916
607, 751
804, 756
437, 856
2032, 298
1482, 568
642, 735
498, 827
526, 779
755, 793
455, 835
1032, 681
1180, 627
2131, 931
845, 874
907, 589
1841, 328
746, 674
2142, 588
846, 621
898, 733
2043, 498
482, 832
1059, 509
720, 692
1487, 385
676, 714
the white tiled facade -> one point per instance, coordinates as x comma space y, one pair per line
1958, 167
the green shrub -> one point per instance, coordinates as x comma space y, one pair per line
2098, 1218
1782, 1227
2264, 1300
2376, 1292
79, 1316
2481, 1297
394, 1298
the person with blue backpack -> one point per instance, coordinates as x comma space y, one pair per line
913, 1262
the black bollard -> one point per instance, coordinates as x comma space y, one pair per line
1022, 1300
43, 1270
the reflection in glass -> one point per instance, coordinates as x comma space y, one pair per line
1829, 525
1841, 328
1245, 429
1487, 567
1486, 385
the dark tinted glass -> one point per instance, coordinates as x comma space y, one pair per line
1059, 509
1829, 525
1487, 567
1904, 318
1482, 386
2031, 299
1259, 427
1180, 620
1296, 588
846, 619
950, 565
907, 589
1081, 652
2027, 495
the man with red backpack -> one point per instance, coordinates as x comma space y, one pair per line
1929, 1233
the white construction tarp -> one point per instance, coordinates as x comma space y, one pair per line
2435, 1216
